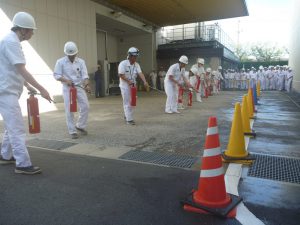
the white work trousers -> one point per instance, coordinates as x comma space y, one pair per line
194, 81
83, 109
153, 81
162, 80
288, 85
172, 96
128, 109
13, 142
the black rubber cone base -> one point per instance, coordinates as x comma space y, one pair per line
252, 134
228, 158
220, 212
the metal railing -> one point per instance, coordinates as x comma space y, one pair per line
195, 31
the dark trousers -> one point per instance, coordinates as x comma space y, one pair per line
97, 88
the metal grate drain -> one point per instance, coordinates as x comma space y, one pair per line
174, 160
49, 144
276, 168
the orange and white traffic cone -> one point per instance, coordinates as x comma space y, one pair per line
211, 196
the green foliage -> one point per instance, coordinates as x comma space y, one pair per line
242, 53
264, 52
260, 52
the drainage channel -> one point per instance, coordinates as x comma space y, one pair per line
166, 159
276, 168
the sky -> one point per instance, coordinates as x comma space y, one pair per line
268, 22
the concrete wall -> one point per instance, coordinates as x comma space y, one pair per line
146, 46
112, 47
59, 21
294, 47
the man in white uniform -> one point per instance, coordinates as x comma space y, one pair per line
260, 77
253, 77
237, 78
288, 80
243, 79
215, 82
226, 79
13, 76
173, 79
264, 79
272, 79
161, 75
281, 78
219, 78
128, 71
71, 70
153, 77
198, 71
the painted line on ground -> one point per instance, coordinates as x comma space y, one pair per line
232, 178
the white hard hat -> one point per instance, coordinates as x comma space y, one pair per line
194, 70
70, 48
24, 20
200, 60
208, 70
183, 59
133, 51
220, 67
214, 72
261, 67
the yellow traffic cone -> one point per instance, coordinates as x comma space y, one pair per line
236, 150
250, 104
246, 119
258, 89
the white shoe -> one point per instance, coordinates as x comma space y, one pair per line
168, 112
180, 107
176, 112
199, 100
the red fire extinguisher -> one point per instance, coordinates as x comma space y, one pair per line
133, 95
190, 98
180, 95
33, 114
73, 99
206, 93
198, 84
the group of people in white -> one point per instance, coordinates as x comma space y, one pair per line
271, 78
200, 80
197, 79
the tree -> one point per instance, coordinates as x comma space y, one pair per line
265, 52
242, 53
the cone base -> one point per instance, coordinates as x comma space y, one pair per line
228, 211
243, 162
246, 157
212, 204
251, 134
236, 156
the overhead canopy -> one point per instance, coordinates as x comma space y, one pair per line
173, 12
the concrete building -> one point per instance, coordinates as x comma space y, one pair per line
196, 40
104, 30
294, 47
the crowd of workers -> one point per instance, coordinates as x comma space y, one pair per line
271, 78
